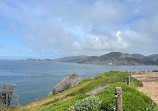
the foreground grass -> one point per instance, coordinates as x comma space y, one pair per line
133, 100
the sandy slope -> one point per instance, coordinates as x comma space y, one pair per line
150, 82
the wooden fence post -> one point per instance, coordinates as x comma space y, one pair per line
144, 71
118, 92
135, 70
128, 80
4, 95
130, 73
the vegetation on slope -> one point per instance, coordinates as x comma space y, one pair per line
133, 100
155, 71
115, 58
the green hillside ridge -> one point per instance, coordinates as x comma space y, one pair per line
133, 100
119, 58
112, 58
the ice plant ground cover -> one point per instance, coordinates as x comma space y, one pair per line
132, 99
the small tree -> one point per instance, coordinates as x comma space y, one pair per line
91, 103
6, 95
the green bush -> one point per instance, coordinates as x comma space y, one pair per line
136, 83
155, 71
91, 103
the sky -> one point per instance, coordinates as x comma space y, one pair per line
58, 28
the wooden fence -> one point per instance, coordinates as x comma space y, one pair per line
118, 95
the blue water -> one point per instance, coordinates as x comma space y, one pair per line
34, 80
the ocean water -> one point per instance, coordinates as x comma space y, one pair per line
34, 80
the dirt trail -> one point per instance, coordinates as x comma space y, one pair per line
150, 85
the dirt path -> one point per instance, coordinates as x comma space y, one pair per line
150, 85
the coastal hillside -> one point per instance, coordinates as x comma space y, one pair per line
113, 58
95, 93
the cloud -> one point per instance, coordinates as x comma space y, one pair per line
46, 34
91, 27
147, 25
99, 44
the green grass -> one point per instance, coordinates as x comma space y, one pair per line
133, 100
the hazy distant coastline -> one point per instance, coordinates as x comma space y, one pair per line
113, 58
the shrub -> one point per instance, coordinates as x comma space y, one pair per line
155, 71
66, 104
135, 82
91, 103
65, 84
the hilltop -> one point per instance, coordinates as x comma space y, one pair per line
113, 58
99, 90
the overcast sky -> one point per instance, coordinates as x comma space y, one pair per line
57, 28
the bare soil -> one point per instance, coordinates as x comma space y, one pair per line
150, 85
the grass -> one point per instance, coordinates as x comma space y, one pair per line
133, 100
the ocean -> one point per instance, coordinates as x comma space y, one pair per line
34, 80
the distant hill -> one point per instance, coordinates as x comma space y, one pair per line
72, 58
113, 58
